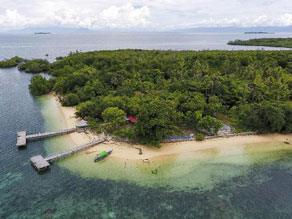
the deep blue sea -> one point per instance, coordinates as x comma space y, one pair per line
262, 192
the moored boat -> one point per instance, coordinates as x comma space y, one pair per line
102, 155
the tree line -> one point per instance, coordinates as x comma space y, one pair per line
269, 42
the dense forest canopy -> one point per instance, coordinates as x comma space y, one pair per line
270, 42
173, 91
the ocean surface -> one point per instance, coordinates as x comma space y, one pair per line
38, 45
251, 184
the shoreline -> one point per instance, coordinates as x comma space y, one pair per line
127, 151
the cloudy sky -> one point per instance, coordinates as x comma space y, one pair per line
144, 14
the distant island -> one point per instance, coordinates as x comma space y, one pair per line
261, 32
269, 42
42, 33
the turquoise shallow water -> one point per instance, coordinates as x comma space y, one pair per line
260, 189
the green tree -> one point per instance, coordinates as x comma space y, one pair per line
114, 116
287, 109
70, 100
192, 118
13, 62
35, 66
155, 121
39, 85
200, 137
192, 102
214, 106
90, 109
210, 124
263, 117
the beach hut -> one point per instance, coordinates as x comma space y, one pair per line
131, 119
82, 125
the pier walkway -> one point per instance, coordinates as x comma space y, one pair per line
50, 134
22, 137
74, 150
41, 163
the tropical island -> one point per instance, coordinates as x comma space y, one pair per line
42, 33
269, 42
258, 32
148, 96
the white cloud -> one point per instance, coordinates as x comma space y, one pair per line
125, 16
262, 20
285, 19
139, 14
12, 18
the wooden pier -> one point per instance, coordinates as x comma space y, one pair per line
22, 137
50, 134
43, 163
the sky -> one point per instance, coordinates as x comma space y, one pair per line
144, 14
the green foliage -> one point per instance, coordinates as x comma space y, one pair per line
95, 125
155, 121
210, 124
125, 132
265, 117
214, 106
39, 85
270, 42
200, 137
114, 116
89, 109
287, 108
70, 100
192, 118
34, 66
13, 62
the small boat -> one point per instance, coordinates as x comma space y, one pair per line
102, 155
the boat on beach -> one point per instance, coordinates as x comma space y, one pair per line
102, 155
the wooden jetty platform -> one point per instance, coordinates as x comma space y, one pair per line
22, 137
39, 163
43, 163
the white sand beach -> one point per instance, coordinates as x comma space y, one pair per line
129, 151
